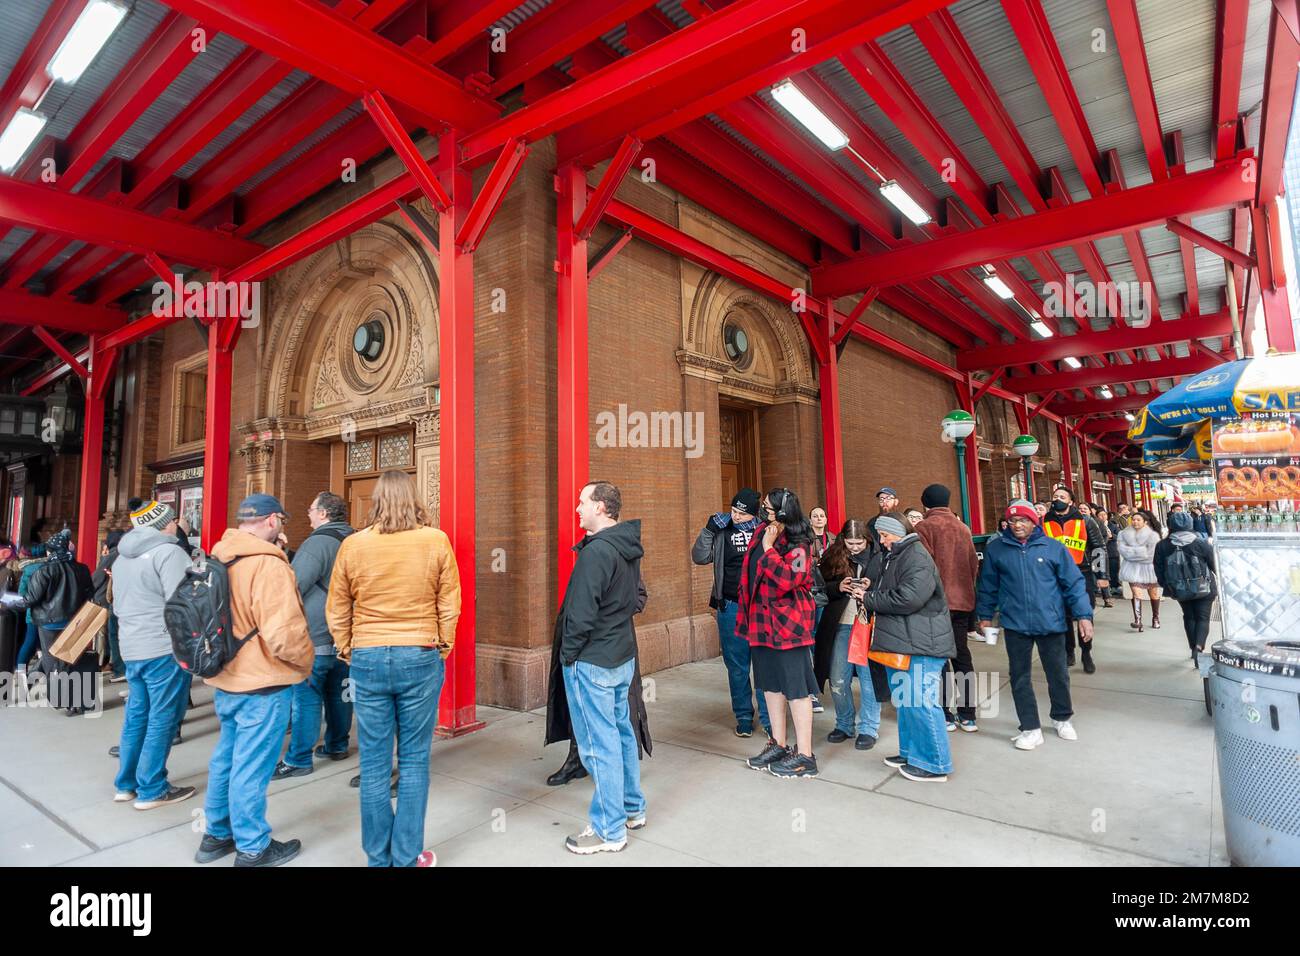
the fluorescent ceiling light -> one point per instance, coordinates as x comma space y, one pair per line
19, 136
904, 203
1106, 392
1041, 328
1073, 362
86, 38
1129, 416
1000, 288
807, 113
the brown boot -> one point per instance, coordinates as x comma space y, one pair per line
1155, 614
1136, 623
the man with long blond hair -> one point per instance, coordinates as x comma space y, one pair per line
394, 600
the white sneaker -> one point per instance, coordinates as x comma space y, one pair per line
1028, 739
636, 823
975, 636
1065, 730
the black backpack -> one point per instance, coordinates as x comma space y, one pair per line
197, 616
1187, 574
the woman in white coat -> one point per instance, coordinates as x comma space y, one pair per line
1137, 552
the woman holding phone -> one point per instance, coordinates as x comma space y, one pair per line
844, 569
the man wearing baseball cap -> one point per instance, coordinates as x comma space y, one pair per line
1029, 579
149, 567
887, 499
724, 542
253, 690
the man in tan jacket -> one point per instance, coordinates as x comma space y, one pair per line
254, 689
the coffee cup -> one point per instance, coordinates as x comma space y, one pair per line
990, 635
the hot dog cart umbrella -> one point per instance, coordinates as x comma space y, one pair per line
1252, 408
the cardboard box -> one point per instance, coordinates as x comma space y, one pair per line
79, 633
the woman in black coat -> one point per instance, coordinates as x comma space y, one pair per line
1196, 610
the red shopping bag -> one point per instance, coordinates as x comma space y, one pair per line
860, 639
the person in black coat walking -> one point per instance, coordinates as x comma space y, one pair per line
57, 590
1196, 610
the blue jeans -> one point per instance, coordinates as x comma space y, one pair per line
323, 687
252, 727
842, 674
31, 641
395, 691
159, 689
922, 729
735, 654
602, 728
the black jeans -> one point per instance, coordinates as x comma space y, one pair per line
963, 693
1020, 657
1196, 621
1090, 582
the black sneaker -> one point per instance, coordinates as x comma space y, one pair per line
1088, 666
115, 751
794, 764
173, 795
744, 730
328, 755
895, 761
922, 776
864, 742
769, 755
210, 848
1069, 658
283, 771
836, 736
275, 854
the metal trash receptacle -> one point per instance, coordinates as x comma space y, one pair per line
1255, 691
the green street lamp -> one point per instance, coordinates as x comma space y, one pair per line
1026, 447
957, 426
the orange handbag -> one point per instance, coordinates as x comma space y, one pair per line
860, 638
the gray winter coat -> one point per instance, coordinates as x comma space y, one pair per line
149, 568
313, 564
907, 596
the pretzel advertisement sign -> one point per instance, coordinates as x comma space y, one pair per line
1257, 459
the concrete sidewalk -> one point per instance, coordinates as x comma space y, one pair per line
1139, 787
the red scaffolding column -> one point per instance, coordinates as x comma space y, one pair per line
1085, 473
222, 336
456, 710
92, 452
572, 440
832, 438
1067, 467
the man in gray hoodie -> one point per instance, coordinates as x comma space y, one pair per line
313, 564
149, 567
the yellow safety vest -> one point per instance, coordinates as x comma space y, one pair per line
1073, 534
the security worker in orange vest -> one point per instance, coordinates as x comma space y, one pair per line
1068, 526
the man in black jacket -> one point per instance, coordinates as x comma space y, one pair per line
724, 542
598, 653
55, 593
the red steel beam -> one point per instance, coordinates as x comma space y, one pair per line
1121, 338
1134, 208
594, 208
24, 308
77, 217
1103, 426
53, 374
859, 309
572, 421
1133, 56
346, 55
1111, 375
1103, 406
402, 144
1229, 53
1275, 114
485, 207
61, 351
454, 25
1209, 242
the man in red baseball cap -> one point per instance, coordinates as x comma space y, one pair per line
1029, 579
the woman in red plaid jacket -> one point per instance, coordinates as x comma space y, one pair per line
776, 613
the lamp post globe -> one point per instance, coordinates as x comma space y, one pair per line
957, 426
1026, 447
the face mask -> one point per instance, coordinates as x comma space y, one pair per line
1059, 506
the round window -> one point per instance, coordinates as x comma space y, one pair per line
368, 340
735, 341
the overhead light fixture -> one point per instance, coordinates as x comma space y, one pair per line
994, 282
1073, 362
1129, 416
807, 113
86, 38
1041, 328
1106, 392
904, 203
19, 136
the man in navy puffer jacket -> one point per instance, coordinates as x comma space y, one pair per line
1030, 579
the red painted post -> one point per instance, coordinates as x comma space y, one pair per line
1085, 473
571, 356
216, 431
1067, 466
832, 439
92, 454
456, 709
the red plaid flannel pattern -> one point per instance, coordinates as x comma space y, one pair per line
781, 611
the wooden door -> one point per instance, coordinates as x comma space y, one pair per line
738, 450
360, 493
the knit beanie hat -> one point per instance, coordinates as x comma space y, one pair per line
936, 496
746, 500
1020, 508
888, 524
1180, 521
152, 514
